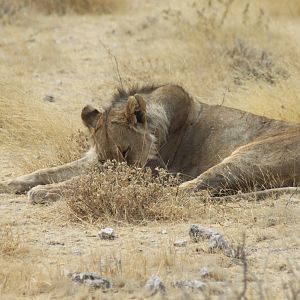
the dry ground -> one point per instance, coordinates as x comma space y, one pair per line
236, 53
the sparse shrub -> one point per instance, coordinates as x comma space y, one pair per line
120, 193
251, 63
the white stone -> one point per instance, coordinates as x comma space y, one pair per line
154, 285
107, 233
180, 243
190, 284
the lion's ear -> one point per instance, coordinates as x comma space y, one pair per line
90, 116
136, 109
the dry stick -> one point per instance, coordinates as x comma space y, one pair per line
224, 16
223, 100
114, 62
245, 269
292, 195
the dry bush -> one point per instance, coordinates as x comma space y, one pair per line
120, 193
60, 7
250, 63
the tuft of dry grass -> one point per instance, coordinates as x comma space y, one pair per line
60, 7
10, 244
120, 193
249, 63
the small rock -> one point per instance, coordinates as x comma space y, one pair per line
190, 284
271, 222
98, 283
76, 252
49, 98
199, 232
180, 243
56, 243
67, 273
217, 242
107, 234
154, 285
163, 231
204, 272
91, 279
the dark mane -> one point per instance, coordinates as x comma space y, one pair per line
122, 93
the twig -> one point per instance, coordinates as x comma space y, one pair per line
226, 11
114, 62
245, 268
291, 196
224, 96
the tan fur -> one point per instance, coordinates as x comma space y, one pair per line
215, 148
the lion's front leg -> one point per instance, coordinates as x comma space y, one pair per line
65, 172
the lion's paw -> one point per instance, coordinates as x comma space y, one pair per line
44, 194
15, 186
188, 185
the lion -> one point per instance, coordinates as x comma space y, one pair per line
217, 149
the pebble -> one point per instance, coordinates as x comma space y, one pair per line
155, 285
190, 284
49, 98
91, 279
107, 234
204, 272
216, 240
180, 243
77, 252
199, 232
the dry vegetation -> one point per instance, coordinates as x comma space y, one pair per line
122, 194
243, 54
10, 8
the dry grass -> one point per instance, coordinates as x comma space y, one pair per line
60, 7
21, 129
123, 194
10, 244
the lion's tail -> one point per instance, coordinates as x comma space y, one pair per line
260, 195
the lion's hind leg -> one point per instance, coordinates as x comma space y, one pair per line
266, 164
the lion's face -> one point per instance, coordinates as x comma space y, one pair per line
121, 133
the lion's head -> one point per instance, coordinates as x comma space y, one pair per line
121, 132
